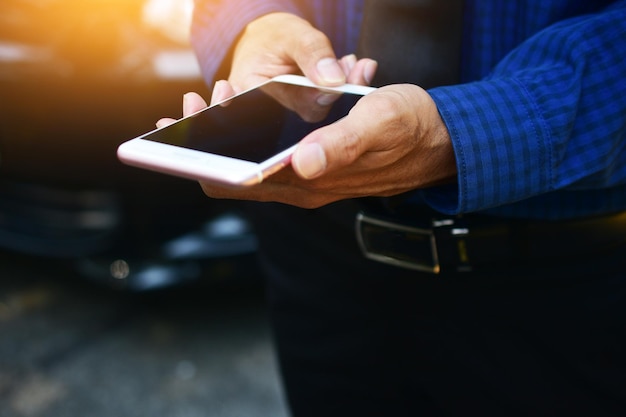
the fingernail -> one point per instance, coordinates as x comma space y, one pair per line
349, 61
370, 71
326, 99
185, 104
310, 160
216, 95
330, 71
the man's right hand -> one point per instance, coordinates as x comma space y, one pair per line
282, 43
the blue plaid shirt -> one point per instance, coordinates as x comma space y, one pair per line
538, 122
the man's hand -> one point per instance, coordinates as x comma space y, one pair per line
392, 141
281, 43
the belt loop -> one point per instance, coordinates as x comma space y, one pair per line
454, 252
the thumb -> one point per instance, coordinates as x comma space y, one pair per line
315, 56
326, 71
309, 160
330, 147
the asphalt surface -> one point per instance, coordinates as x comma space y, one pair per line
69, 347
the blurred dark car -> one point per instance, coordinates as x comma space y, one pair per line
77, 78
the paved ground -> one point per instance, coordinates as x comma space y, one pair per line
72, 348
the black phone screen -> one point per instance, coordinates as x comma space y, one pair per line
254, 126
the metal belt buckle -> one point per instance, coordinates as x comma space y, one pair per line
441, 244
397, 244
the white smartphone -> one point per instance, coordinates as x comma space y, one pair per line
242, 140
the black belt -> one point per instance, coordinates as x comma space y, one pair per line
475, 243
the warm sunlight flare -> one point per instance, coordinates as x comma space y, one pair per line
88, 37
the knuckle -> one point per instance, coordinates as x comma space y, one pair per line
386, 105
351, 150
312, 42
350, 146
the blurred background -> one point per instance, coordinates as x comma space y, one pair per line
86, 241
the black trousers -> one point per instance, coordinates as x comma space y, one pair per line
358, 338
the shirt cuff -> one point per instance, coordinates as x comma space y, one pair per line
501, 144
